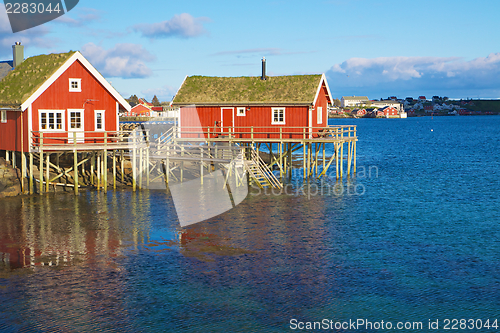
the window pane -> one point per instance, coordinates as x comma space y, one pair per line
51, 120
43, 121
75, 120
99, 120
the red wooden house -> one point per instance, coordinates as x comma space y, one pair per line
359, 112
389, 111
139, 110
296, 105
58, 94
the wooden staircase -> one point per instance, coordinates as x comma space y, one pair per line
260, 172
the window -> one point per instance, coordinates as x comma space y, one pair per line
240, 112
51, 120
3, 116
99, 120
320, 114
75, 120
278, 115
75, 85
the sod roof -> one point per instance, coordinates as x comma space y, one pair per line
205, 90
26, 78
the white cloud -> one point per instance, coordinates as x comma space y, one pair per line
83, 17
123, 60
34, 37
164, 93
181, 25
412, 75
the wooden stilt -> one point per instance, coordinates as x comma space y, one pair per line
304, 152
147, 167
324, 144
341, 160
337, 160
114, 169
47, 169
40, 168
122, 165
23, 169
99, 170
31, 188
349, 155
134, 166
105, 162
92, 169
75, 168
354, 157
105, 169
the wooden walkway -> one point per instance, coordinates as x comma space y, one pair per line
305, 148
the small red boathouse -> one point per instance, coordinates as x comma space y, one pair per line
59, 94
259, 106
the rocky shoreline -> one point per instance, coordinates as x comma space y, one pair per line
10, 183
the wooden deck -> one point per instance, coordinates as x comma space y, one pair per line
284, 148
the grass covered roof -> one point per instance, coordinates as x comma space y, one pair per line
26, 78
297, 89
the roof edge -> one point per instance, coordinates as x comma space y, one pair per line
244, 104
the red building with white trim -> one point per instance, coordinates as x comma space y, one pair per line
60, 94
232, 105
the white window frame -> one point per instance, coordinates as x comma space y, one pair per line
273, 113
78, 83
103, 120
47, 113
319, 111
241, 112
82, 118
3, 116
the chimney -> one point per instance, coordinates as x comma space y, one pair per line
17, 54
263, 77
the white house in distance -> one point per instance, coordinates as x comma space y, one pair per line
347, 101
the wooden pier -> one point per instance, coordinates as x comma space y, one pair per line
163, 159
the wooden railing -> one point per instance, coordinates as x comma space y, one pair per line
88, 140
266, 132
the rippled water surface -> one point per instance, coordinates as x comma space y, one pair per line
414, 237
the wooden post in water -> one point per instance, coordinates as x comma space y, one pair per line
147, 166
341, 159
40, 168
47, 170
31, 189
141, 167
114, 169
105, 162
349, 155
134, 161
99, 170
201, 164
122, 165
304, 150
75, 164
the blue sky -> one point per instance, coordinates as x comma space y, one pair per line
375, 48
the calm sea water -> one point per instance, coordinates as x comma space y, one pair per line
414, 238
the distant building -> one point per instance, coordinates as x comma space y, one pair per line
347, 101
387, 103
389, 111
